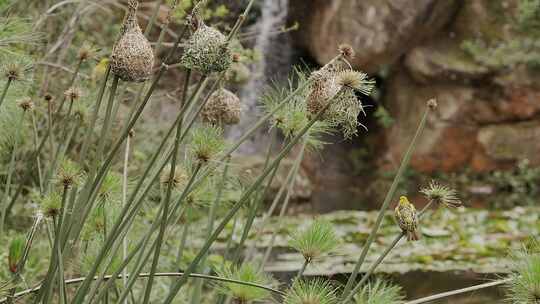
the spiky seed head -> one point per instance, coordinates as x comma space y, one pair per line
207, 142
13, 71
316, 291
432, 103
132, 57
525, 284
379, 292
69, 174
96, 221
355, 80
179, 178
223, 106
16, 251
25, 104
86, 52
51, 203
343, 112
336, 85
111, 188
48, 97
207, 51
441, 195
347, 51
73, 94
247, 272
315, 241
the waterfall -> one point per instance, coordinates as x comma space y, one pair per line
274, 65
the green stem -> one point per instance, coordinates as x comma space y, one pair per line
240, 21
161, 274
266, 217
303, 269
259, 198
124, 203
170, 185
389, 196
4, 92
71, 82
210, 228
14, 198
182, 245
380, 259
237, 206
120, 223
56, 253
145, 239
153, 18
11, 169
90, 189
38, 160
459, 291
107, 120
60, 153
50, 130
290, 185
22, 262
95, 114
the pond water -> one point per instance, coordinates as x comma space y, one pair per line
418, 284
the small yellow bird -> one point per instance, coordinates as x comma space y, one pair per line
407, 218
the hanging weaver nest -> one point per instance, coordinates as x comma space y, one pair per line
132, 57
223, 107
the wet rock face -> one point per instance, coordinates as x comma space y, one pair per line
489, 107
475, 57
379, 30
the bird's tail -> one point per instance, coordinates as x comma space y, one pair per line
413, 235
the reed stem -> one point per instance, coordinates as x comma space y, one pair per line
11, 169
170, 185
236, 207
5, 90
389, 196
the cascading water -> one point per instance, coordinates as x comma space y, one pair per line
274, 65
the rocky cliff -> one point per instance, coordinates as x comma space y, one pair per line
479, 58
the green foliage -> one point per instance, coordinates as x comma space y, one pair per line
529, 14
11, 126
521, 185
315, 241
524, 288
293, 117
16, 249
384, 118
247, 272
207, 142
15, 32
215, 12
69, 173
51, 203
379, 292
111, 188
315, 291
520, 47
